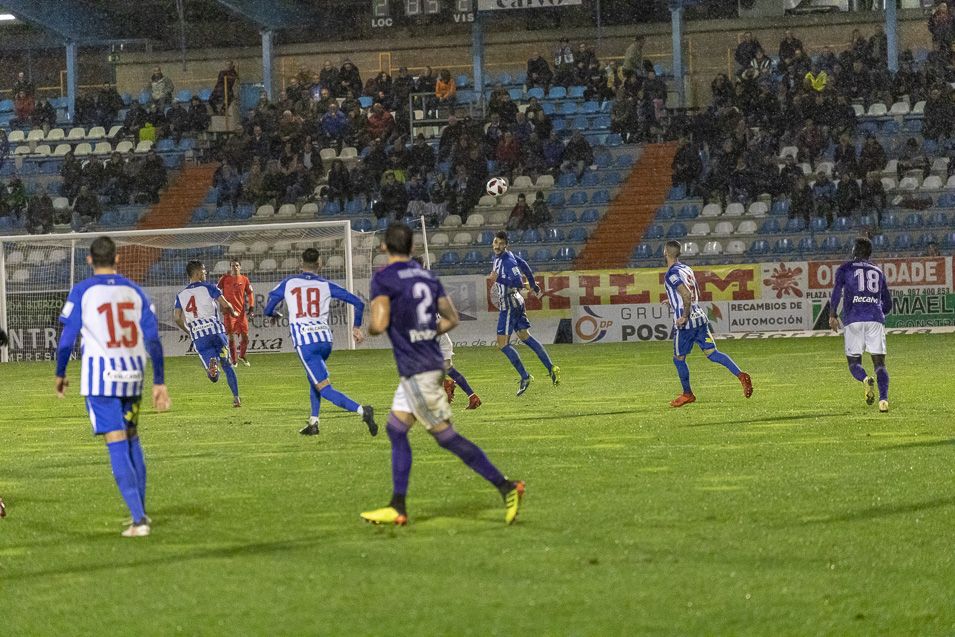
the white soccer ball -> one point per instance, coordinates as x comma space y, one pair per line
496, 186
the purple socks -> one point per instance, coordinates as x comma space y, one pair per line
400, 454
470, 454
882, 378
858, 371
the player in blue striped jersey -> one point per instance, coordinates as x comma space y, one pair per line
197, 313
119, 328
507, 276
307, 297
691, 327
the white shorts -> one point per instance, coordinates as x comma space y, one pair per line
447, 347
865, 336
423, 395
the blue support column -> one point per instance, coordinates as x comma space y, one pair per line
71, 80
267, 62
676, 18
477, 54
892, 35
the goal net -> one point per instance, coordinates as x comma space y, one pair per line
38, 271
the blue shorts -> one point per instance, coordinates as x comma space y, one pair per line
112, 413
313, 358
212, 346
512, 319
684, 340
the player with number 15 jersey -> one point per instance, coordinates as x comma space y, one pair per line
308, 297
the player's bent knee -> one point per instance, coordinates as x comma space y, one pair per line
854, 360
878, 360
322, 384
679, 358
439, 428
115, 436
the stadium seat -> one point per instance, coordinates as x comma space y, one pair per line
655, 231
642, 251
258, 248
536, 92
913, 220
937, 219
699, 229
265, 210
614, 139
497, 219
758, 209
462, 239
877, 109
577, 235
780, 208
487, 201
76, 133
612, 179
712, 248
544, 181
449, 258
473, 257
625, 160
522, 182
746, 227
807, 245
589, 180
475, 219
123, 147
724, 228
451, 221
541, 255
890, 221
903, 241
690, 248
831, 244
735, 247
365, 102
332, 207
244, 212
600, 197
734, 210
566, 254
566, 180
783, 246
566, 216
143, 146
80, 150
842, 224
555, 198
689, 211
676, 231
556, 92
818, 224
676, 193
868, 221
880, 241
590, 216
909, 184
770, 226
711, 210
946, 199
578, 198
665, 213
575, 92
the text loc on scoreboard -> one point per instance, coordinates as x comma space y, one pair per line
381, 13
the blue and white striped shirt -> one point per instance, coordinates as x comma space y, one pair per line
511, 270
680, 274
119, 327
199, 302
308, 297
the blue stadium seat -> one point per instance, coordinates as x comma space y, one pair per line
575, 92
365, 102
186, 143
590, 108
868, 221
783, 246
626, 160
890, 221
665, 213
891, 127
144, 98
758, 248
363, 225
570, 108
676, 231
223, 213
880, 241
589, 180
580, 123
912, 126
578, 198
577, 234
383, 223
642, 251
521, 253
677, 193
602, 122
930, 147
796, 224
165, 145
542, 255
354, 206
689, 211
831, 244
654, 232
612, 178
614, 139
462, 81
520, 77
807, 245
949, 240
473, 257
913, 220
557, 93
183, 96
600, 197
780, 208
558, 125
590, 215
244, 211
603, 160
531, 236
450, 258
924, 240
332, 207
819, 224
555, 198
204, 94
553, 235
505, 78
566, 254
770, 226
842, 224
6, 106
567, 180
659, 70
937, 219
537, 92
516, 94
486, 237
566, 216
946, 200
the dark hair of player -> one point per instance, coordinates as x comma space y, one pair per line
103, 252
399, 240
418, 260
673, 248
310, 256
193, 267
501, 235
235, 260
862, 249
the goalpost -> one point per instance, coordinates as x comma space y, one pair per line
38, 271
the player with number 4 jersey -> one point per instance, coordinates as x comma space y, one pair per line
308, 297
119, 327
198, 313
861, 288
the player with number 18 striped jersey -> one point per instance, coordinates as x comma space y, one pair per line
307, 296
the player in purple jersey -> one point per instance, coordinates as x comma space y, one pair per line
861, 287
409, 303
119, 328
691, 327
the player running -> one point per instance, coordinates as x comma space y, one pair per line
119, 327
508, 277
238, 292
197, 314
865, 297
691, 326
409, 303
454, 376
308, 297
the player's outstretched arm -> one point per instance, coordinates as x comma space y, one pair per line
276, 296
527, 271
448, 315
380, 315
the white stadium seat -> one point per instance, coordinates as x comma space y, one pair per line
440, 239
932, 182
711, 210
289, 264
56, 135
286, 210
747, 226
734, 210
724, 228
487, 201
76, 133
36, 135
268, 265
758, 209
451, 221
699, 229
309, 209
475, 220
735, 247
691, 248
712, 248
258, 248
462, 238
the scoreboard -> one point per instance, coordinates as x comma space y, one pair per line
389, 13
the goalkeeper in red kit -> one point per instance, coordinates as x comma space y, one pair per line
3, 343
237, 290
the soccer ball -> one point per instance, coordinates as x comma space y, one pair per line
496, 186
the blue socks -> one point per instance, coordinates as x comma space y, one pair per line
470, 454
535, 345
882, 378
515, 358
858, 371
316, 399
230, 377
139, 466
460, 381
683, 371
400, 454
126, 480
725, 361
338, 399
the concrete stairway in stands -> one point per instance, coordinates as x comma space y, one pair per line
631, 212
173, 210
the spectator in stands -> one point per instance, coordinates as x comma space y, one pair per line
393, 199
824, 195
426, 82
848, 195
722, 91
135, 118
23, 85
563, 63
788, 47
538, 72
116, 185
439, 198
810, 141
931, 249
39, 216
687, 165
259, 145
253, 186
633, 63
873, 196
86, 210
379, 88
22, 109
328, 76
421, 156
223, 93
198, 115
540, 212
912, 157
177, 121
445, 90
553, 152
402, 87
508, 154
381, 123
339, 183
578, 154
160, 88
844, 157
816, 78
349, 79
746, 51
44, 115
334, 125
228, 183
519, 219
108, 104
872, 157
941, 25
152, 176
801, 203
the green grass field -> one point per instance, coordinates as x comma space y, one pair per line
798, 512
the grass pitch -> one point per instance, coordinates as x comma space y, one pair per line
800, 511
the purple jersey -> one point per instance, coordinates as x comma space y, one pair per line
413, 326
861, 287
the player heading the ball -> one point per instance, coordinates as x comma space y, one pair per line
308, 297
691, 327
410, 304
118, 324
199, 309
861, 288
